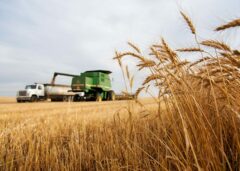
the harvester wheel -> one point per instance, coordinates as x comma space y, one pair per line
98, 97
111, 95
76, 98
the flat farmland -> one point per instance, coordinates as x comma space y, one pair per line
5, 100
14, 115
68, 136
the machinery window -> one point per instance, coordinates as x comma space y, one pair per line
30, 87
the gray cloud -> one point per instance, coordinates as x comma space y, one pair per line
39, 37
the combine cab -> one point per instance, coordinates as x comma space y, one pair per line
93, 85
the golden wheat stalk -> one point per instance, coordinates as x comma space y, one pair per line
216, 44
190, 50
232, 59
139, 103
155, 53
231, 24
134, 47
127, 72
157, 46
118, 59
189, 22
161, 57
180, 64
169, 51
147, 63
119, 56
200, 61
236, 52
222, 70
152, 77
139, 90
131, 82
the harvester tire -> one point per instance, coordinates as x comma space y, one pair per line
76, 98
98, 97
111, 95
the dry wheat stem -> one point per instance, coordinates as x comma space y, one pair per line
141, 58
169, 51
134, 47
189, 22
190, 50
216, 44
231, 24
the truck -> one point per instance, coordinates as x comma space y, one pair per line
92, 85
40, 92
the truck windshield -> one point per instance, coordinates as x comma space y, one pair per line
30, 87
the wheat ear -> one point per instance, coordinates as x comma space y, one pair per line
234, 23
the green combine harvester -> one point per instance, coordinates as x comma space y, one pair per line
93, 85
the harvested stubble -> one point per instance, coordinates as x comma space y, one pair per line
194, 124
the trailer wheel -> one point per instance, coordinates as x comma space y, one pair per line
98, 97
33, 98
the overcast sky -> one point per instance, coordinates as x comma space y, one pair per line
39, 37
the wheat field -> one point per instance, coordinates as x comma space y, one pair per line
192, 123
61, 136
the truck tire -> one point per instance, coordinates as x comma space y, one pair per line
67, 99
111, 96
19, 101
98, 97
34, 98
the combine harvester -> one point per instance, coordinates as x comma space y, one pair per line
92, 85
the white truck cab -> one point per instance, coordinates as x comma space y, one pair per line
31, 93
55, 92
